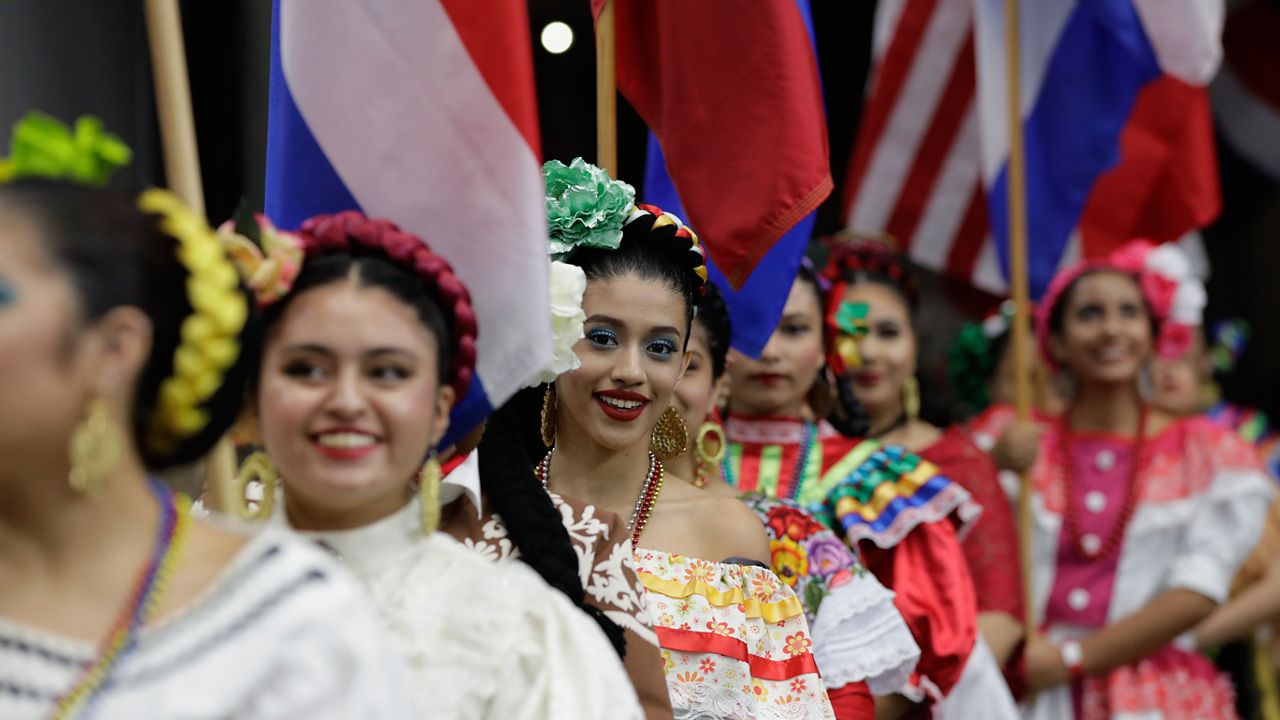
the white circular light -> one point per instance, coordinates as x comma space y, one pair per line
557, 37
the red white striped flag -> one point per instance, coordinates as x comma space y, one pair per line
916, 169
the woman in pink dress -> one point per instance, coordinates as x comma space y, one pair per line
1141, 519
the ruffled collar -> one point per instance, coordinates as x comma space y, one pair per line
372, 545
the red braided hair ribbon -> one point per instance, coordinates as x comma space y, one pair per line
677, 238
340, 232
874, 257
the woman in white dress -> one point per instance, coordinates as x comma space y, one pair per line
124, 349
366, 351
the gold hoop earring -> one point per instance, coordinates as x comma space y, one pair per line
911, 398
257, 467
711, 432
549, 416
429, 494
670, 437
95, 449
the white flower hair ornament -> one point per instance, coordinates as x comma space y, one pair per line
568, 285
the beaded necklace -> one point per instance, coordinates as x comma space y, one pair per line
798, 472
148, 593
1130, 494
645, 501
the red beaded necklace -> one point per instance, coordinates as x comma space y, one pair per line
1071, 514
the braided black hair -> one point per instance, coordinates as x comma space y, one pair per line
532, 521
116, 255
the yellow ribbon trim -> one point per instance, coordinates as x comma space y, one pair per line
772, 612
209, 343
887, 492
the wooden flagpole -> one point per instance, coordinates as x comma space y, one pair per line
182, 169
606, 91
1020, 285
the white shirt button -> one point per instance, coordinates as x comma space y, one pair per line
1078, 599
1091, 543
1105, 460
1095, 501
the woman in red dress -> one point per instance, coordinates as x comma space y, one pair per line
885, 386
902, 517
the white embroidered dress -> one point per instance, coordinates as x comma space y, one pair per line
282, 633
482, 640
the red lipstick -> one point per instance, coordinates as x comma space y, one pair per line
635, 401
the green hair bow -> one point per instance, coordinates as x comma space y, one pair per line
45, 147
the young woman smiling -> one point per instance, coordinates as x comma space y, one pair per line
861, 643
885, 386
365, 353
1141, 518
125, 345
896, 510
735, 640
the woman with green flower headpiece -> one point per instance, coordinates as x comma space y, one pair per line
125, 346
734, 639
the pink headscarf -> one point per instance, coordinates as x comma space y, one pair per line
1175, 296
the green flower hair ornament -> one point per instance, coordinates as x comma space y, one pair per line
969, 364
585, 207
45, 147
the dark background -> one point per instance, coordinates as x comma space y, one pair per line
70, 57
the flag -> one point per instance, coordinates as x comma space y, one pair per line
1246, 93
423, 112
735, 100
755, 308
1116, 125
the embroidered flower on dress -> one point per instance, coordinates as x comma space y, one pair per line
666, 620
798, 644
827, 555
689, 677
668, 664
707, 666
764, 585
758, 689
719, 628
789, 522
798, 685
789, 560
700, 570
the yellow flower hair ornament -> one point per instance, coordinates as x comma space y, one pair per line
268, 266
209, 342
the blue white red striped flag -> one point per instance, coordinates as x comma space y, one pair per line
423, 112
1084, 64
1118, 133
755, 305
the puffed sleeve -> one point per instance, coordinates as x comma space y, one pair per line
564, 667
1228, 519
337, 665
934, 592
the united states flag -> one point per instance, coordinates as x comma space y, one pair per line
1119, 142
916, 170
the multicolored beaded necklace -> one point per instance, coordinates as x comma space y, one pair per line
797, 474
645, 501
1071, 513
149, 592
